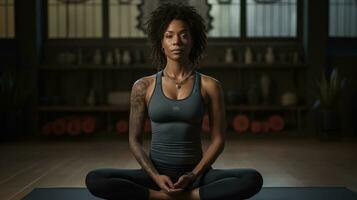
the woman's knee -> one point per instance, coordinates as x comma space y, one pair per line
93, 179
255, 178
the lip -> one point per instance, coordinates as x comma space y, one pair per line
177, 51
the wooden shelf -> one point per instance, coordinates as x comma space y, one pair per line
107, 110
56, 67
208, 66
264, 108
127, 108
284, 66
83, 108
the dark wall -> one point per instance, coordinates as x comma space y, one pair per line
19, 57
347, 66
323, 54
320, 52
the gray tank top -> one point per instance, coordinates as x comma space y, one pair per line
176, 125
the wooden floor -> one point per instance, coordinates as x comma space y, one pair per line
283, 162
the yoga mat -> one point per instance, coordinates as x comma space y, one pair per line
305, 193
267, 193
57, 193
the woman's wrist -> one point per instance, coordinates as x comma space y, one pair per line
155, 176
192, 175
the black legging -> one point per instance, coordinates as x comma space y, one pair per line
214, 184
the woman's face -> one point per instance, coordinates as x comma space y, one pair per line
177, 41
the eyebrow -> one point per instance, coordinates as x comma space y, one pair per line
183, 30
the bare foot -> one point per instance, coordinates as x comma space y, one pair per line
179, 194
174, 195
159, 195
190, 195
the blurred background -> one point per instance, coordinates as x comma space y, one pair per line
287, 67
67, 66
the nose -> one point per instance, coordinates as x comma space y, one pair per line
176, 40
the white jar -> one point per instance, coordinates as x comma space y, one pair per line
229, 55
288, 99
248, 56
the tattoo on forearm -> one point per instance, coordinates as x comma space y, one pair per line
136, 123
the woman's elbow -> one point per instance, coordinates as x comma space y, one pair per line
222, 145
219, 142
133, 143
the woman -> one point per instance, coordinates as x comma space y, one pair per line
176, 98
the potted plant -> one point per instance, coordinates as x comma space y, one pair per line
329, 94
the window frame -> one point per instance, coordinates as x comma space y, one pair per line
105, 39
337, 45
334, 39
6, 40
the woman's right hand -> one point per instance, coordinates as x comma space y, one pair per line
164, 182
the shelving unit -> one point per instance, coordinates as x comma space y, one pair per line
126, 108
120, 77
83, 108
239, 69
263, 108
204, 66
94, 67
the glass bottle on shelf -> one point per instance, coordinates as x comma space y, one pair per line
248, 56
126, 57
269, 56
109, 58
97, 57
229, 55
118, 56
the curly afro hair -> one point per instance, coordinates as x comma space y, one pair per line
158, 22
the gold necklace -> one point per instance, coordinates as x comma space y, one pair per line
178, 84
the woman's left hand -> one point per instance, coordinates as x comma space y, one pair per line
184, 181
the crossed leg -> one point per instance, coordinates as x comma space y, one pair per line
214, 184
228, 184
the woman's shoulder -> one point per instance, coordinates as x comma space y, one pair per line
144, 82
211, 87
149, 78
209, 81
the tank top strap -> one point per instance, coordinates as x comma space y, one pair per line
197, 85
158, 78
